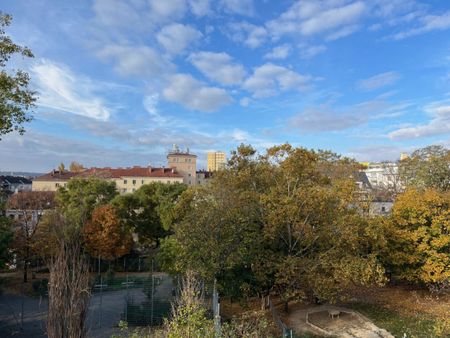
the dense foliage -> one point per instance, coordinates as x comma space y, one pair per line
419, 237
286, 221
16, 99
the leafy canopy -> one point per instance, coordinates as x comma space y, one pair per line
16, 99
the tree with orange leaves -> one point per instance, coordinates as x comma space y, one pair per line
105, 235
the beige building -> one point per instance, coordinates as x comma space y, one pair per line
184, 163
216, 160
126, 179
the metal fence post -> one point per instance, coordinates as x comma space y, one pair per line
101, 301
152, 293
216, 310
22, 307
126, 303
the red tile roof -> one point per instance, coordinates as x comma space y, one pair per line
111, 173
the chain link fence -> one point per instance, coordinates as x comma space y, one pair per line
139, 298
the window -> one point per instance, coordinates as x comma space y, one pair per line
134, 182
57, 185
142, 182
383, 209
124, 181
133, 190
189, 175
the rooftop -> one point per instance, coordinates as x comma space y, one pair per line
107, 172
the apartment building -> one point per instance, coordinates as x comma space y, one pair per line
184, 163
216, 160
126, 179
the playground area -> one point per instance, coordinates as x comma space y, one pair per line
325, 320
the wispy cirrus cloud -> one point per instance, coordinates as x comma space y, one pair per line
61, 89
424, 24
439, 124
379, 81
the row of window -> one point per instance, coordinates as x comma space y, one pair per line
176, 159
133, 182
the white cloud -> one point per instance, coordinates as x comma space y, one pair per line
138, 15
323, 118
59, 88
327, 117
250, 35
313, 17
193, 94
177, 37
379, 81
244, 102
268, 79
308, 52
242, 7
427, 23
218, 67
121, 13
438, 125
343, 32
200, 7
279, 52
167, 10
135, 60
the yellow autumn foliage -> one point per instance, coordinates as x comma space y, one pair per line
419, 236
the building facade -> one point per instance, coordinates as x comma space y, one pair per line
216, 160
184, 163
126, 179
383, 175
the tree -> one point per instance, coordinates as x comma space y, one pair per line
6, 237
62, 167
427, 167
419, 237
16, 99
105, 236
67, 260
76, 167
149, 211
286, 222
311, 226
30, 206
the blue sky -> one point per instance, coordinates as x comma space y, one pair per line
120, 81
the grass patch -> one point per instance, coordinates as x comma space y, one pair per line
399, 325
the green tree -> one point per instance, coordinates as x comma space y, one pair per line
419, 237
286, 221
6, 237
16, 99
149, 211
81, 196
